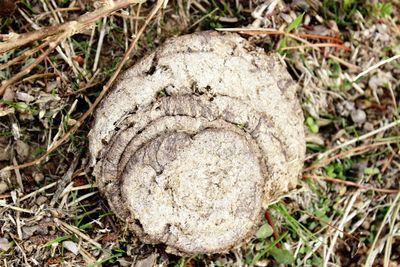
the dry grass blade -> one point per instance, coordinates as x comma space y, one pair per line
99, 98
365, 187
296, 35
64, 181
354, 151
342, 223
15, 208
323, 45
34, 193
363, 137
77, 232
372, 253
375, 67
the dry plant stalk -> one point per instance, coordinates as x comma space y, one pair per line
196, 139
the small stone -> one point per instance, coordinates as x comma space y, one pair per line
28, 231
358, 116
71, 246
5, 150
22, 149
9, 95
38, 177
4, 244
41, 199
25, 97
3, 187
368, 127
149, 261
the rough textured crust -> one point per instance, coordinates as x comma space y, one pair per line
196, 139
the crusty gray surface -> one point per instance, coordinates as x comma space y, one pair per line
195, 139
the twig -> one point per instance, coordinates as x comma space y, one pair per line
44, 188
375, 66
21, 250
23, 56
30, 67
365, 187
98, 99
387, 162
338, 42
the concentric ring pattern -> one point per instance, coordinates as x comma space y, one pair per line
196, 139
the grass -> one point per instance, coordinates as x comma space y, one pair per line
356, 226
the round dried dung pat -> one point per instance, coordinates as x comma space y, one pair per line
196, 139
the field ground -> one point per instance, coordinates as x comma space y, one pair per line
344, 56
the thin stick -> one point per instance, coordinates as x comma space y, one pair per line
23, 56
365, 187
375, 67
15, 208
98, 99
30, 67
271, 223
44, 188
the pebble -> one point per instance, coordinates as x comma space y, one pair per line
358, 116
4, 244
3, 187
368, 127
71, 246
